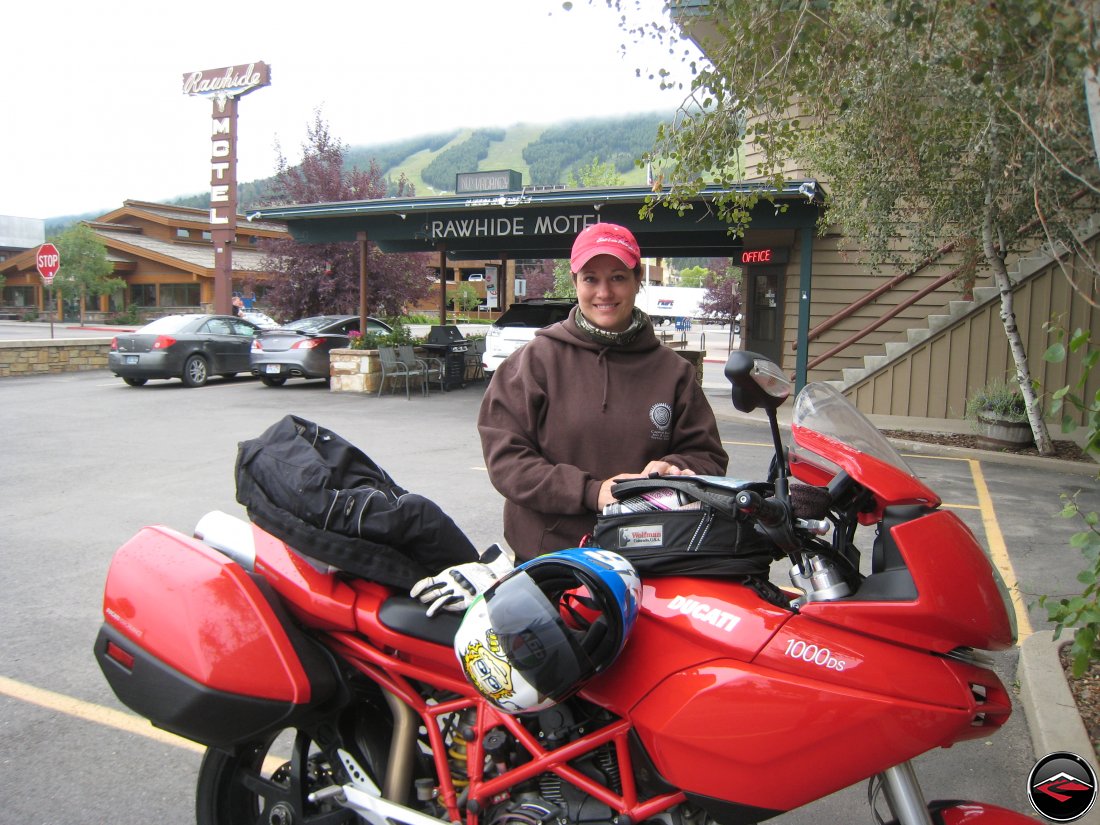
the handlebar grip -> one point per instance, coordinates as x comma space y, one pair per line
768, 511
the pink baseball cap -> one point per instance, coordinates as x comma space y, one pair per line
605, 239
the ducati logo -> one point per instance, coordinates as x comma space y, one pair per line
1062, 786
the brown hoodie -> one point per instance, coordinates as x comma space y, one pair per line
565, 413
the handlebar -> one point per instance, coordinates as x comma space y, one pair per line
767, 511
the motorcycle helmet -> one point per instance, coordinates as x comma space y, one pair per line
535, 636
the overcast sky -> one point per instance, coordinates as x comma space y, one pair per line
94, 111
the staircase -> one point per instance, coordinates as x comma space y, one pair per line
917, 336
945, 359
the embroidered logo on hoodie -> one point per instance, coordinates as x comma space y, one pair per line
661, 417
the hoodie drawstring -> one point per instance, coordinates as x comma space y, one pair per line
601, 357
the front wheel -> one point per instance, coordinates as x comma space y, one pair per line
272, 380
135, 382
195, 371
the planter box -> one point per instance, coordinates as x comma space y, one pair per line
354, 370
997, 434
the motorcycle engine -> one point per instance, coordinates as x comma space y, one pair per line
549, 798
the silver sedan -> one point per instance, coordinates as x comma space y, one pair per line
300, 349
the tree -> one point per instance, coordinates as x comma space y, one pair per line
964, 125
465, 297
694, 276
722, 299
563, 282
312, 279
595, 174
539, 276
85, 269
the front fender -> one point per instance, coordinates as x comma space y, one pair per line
957, 812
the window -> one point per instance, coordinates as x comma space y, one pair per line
143, 295
18, 296
183, 233
179, 295
242, 328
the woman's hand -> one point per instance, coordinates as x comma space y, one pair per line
663, 468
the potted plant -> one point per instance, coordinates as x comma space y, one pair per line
999, 416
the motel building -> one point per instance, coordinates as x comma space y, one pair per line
163, 254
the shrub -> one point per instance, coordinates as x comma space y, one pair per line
373, 340
998, 398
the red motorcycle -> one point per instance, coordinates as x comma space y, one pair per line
324, 698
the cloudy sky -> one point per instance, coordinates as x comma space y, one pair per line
94, 111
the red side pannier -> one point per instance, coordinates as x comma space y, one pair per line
199, 646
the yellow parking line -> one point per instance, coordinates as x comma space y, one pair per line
93, 713
998, 550
749, 443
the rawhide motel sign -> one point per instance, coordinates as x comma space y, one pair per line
224, 86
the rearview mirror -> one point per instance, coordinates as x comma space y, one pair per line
756, 382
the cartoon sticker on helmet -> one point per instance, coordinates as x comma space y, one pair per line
487, 669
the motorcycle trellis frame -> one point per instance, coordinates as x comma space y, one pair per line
392, 674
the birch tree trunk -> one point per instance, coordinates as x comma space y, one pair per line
996, 260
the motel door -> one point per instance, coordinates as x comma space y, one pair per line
764, 316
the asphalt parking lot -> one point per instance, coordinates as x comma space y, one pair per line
88, 461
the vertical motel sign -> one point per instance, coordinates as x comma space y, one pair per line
225, 86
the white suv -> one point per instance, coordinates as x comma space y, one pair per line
518, 325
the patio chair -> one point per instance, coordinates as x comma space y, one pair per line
432, 367
417, 367
474, 369
393, 369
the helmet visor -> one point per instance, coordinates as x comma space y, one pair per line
535, 639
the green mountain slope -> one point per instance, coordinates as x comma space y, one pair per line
543, 154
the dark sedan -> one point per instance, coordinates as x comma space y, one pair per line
300, 349
188, 347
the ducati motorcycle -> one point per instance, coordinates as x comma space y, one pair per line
325, 698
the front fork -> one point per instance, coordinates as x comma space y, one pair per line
907, 803
904, 795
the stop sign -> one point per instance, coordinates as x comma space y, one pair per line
48, 261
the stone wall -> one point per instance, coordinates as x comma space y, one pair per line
45, 357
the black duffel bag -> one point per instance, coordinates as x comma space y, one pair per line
327, 499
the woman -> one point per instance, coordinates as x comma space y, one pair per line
591, 400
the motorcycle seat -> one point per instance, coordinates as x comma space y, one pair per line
404, 614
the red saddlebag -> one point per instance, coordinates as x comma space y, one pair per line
193, 642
